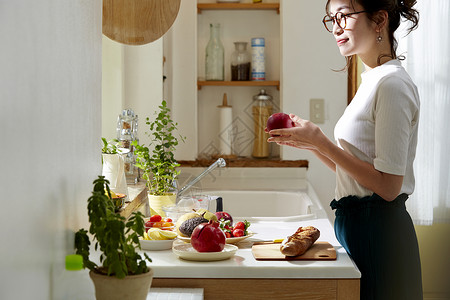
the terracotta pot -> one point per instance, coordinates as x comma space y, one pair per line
134, 287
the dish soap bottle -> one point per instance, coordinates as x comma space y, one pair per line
262, 109
214, 64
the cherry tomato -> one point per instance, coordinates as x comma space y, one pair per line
238, 232
228, 234
149, 224
239, 225
158, 224
166, 225
155, 218
168, 220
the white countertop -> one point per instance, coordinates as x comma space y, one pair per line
243, 265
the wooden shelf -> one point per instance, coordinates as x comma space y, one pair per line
239, 83
244, 162
238, 6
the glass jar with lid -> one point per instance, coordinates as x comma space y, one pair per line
240, 62
262, 109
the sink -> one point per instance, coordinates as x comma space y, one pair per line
259, 194
266, 205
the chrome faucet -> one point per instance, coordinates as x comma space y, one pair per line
218, 163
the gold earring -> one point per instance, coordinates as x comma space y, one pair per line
379, 37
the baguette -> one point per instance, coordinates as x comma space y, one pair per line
298, 243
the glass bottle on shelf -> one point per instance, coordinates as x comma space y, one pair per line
214, 64
240, 62
262, 109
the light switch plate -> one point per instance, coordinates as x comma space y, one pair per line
317, 111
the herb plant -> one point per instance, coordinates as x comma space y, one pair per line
110, 147
159, 166
116, 237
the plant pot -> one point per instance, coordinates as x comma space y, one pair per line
114, 170
157, 202
134, 287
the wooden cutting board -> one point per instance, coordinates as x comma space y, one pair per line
138, 22
271, 251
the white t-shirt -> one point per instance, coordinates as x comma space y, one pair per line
380, 127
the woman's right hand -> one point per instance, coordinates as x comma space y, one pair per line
305, 135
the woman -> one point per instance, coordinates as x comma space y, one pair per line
375, 147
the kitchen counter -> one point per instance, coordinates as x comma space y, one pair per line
242, 275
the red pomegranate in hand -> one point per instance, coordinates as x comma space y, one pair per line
279, 120
208, 237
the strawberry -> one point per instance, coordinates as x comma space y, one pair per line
238, 232
243, 226
239, 225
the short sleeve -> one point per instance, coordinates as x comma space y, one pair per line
395, 113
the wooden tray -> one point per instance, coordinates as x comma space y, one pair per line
271, 251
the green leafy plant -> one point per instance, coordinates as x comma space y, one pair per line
110, 147
159, 166
116, 237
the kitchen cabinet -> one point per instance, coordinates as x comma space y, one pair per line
239, 22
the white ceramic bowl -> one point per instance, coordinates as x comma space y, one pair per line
156, 245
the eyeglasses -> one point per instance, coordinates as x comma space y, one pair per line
339, 18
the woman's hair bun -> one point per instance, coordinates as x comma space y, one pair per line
406, 10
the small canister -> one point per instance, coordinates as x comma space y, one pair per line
258, 59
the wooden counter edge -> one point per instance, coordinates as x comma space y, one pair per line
267, 288
135, 204
247, 163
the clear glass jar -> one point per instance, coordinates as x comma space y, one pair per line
214, 64
240, 62
262, 109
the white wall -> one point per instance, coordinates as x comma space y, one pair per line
308, 58
181, 82
50, 108
132, 79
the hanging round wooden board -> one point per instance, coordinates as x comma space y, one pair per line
138, 22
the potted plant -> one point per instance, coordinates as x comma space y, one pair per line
122, 273
114, 170
159, 166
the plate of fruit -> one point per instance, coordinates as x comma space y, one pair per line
234, 232
207, 243
159, 233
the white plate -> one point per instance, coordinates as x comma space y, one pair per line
156, 244
187, 252
232, 240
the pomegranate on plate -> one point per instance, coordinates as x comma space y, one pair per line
208, 237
